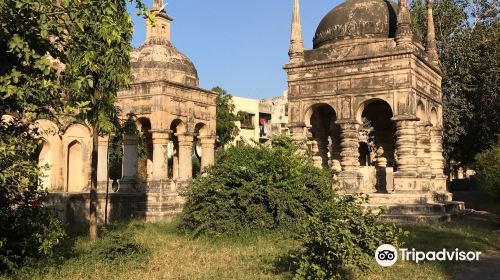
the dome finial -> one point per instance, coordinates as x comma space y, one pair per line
159, 33
296, 52
404, 33
431, 47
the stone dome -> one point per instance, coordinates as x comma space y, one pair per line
161, 61
356, 19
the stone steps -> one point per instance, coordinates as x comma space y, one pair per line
160, 207
417, 218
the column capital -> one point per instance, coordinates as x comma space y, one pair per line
348, 123
103, 140
296, 124
399, 118
207, 140
185, 139
160, 134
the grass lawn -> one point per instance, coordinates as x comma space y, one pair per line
157, 251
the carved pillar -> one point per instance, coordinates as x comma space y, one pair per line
161, 138
405, 145
185, 156
437, 161
436, 151
423, 149
207, 151
298, 135
102, 160
349, 145
315, 152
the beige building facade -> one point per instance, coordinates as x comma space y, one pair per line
367, 102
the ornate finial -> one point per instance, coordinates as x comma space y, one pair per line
296, 51
431, 47
160, 32
404, 33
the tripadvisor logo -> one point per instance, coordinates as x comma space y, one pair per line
387, 255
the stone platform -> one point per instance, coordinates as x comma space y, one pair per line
415, 208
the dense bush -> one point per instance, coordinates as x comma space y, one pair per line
27, 228
254, 187
339, 241
488, 171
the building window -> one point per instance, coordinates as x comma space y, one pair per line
247, 120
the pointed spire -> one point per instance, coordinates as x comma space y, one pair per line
160, 32
431, 47
296, 51
404, 33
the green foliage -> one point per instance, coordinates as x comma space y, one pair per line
226, 129
468, 35
254, 187
116, 247
28, 229
488, 170
340, 239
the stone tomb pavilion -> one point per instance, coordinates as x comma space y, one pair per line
367, 102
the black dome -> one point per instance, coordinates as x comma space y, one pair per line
357, 19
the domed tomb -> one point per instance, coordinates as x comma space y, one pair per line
357, 19
158, 60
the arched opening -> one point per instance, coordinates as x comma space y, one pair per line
177, 127
421, 112
145, 150
377, 139
45, 163
326, 133
434, 117
378, 133
200, 131
75, 179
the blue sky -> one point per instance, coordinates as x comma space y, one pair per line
238, 45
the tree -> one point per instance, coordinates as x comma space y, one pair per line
468, 35
31, 36
226, 129
98, 54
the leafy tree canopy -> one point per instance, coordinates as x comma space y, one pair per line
226, 129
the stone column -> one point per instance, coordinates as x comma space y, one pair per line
423, 149
405, 145
405, 180
436, 151
437, 159
298, 135
349, 145
161, 139
185, 156
207, 151
102, 160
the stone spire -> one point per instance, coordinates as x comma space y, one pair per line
160, 32
431, 47
404, 33
296, 52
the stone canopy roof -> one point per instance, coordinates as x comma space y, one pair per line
355, 19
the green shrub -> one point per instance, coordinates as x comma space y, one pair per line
254, 187
339, 241
116, 246
28, 229
488, 171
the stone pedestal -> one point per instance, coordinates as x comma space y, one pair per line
129, 162
160, 153
207, 151
185, 156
